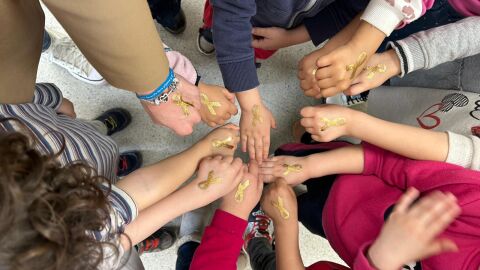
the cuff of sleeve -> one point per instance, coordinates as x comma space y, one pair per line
240, 76
401, 57
313, 25
130, 203
228, 222
361, 261
460, 150
370, 154
383, 16
48, 94
413, 50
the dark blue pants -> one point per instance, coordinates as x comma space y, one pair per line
185, 255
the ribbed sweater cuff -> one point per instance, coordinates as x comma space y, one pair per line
240, 76
383, 16
412, 47
401, 57
460, 150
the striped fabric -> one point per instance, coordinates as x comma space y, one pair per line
82, 141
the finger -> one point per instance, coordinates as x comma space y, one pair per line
232, 126
444, 219
330, 92
311, 93
273, 124
324, 61
232, 109
267, 170
357, 89
253, 167
324, 73
318, 138
266, 147
228, 95
266, 178
244, 143
251, 147
305, 84
218, 157
311, 130
228, 159
307, 122
421, 209
259, 149
225, 117
319, 96
308, 111
257, 43
212, 124
441, 246
326, 83
406, 200
260, 31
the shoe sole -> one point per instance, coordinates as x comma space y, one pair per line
86, 80
199, 48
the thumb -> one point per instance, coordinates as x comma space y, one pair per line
308, 112
324, 61
230, 96
273, 122
260, 31
439, 246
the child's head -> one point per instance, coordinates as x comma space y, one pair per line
48, 212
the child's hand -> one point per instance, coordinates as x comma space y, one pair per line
217, 104
67, 108
411, 232
327, 122
270, 38
380, 68
174, 116
223, 140
241, 200
294, 170
217, 176
280, 203
337, 69
306, 72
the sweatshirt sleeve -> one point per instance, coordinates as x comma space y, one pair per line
181, 65
463, 151
221, 243
232, 36
386, 15
48, 94
361, 261
332, 19
428, 49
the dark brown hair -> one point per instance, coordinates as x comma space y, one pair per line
47, 212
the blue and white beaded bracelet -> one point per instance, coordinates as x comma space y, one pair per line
161, 94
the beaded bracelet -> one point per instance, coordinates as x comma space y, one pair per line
161, 94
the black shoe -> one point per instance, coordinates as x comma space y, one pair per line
205, 41
129, 162
115, 120
173, 24
158, 241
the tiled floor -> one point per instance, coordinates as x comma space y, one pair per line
279, 89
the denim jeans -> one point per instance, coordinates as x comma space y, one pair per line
185, 255
47, 41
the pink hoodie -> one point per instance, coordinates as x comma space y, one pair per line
466, 7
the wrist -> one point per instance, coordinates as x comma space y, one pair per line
394, 68
248, 99
235, 210
367, 38
355, 124
203, 147
381, 261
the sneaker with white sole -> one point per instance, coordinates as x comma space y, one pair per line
63, 52
259, 225
205, 41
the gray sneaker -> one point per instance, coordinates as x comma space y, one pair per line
193, 224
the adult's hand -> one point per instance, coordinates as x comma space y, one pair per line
172, 115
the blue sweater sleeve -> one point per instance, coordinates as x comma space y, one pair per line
333, 19
232, 36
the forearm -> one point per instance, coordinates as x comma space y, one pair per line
247, 99
344, 160
407, 141
108, 33
151, 219
345, 34
287, 248
367, 37
152, 183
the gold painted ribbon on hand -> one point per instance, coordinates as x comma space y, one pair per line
178, 100
340, 121
380, 68
257, 117
210, 181
211, 105
362, 58
296, 168
241, 190
281, 208
223, 143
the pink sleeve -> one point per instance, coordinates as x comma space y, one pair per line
181, 65
402, 172
221, 243
361, 262
386, 15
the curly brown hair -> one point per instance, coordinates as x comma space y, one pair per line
47, 212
